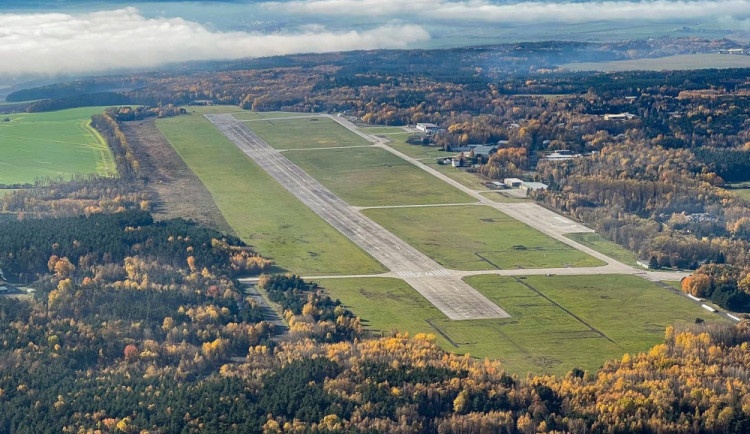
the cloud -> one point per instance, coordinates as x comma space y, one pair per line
523, 12
53, 43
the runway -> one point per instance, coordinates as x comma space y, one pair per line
441, 287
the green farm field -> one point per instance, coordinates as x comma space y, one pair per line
261, 211
54, 144
305, 133
558, 323
477, 238
374, 176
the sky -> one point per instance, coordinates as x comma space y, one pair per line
54, 37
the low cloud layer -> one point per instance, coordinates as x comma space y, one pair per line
103, 41
523, 12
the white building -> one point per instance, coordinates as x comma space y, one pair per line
428, 128
533, 186
560, 155
619, 117
512, 182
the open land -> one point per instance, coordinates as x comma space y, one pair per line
305, 133
54, 144
596, 242
741, 189
478, 238
499, 196
373, 176
177, 191
683, 61
544, 308
452, 296
261, 212
557, 323
428, 155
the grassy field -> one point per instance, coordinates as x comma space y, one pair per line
245, 115
477, 238
741, 189
261, 211
470, 180
305, 133
52, 144
683, 61
557, 324
743, 193
398, 142
497, 196
374, 176
429, 155
386, 131
601, 245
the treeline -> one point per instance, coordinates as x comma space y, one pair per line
696, 381
75, 197
87, 100
665, 205
75, 88
106, 124
99, 239
732, 165
725, 285
309, 311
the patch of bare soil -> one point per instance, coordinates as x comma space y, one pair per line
176, 190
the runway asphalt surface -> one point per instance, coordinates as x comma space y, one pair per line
456, 299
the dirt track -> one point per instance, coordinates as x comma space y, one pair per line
176, 189
456, 299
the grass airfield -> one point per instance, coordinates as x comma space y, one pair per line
558, 322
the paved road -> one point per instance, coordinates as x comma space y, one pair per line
532, 214
543, 220
456, 299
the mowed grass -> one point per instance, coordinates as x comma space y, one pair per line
260, 210
429, 156
615, 314
244, 115
601, 245
741, 189
497, 196
374, 176
305, 133
386, 131
52, 144
477, 238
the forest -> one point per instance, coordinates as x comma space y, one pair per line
139, 325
